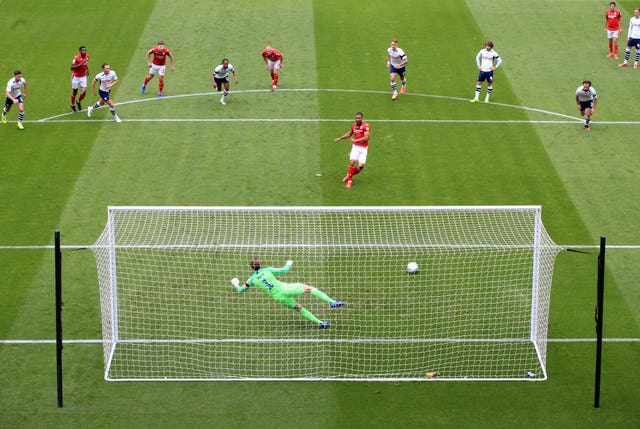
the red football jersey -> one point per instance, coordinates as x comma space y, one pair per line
614, 17
274, 56
358, 132
159, 57
83, 69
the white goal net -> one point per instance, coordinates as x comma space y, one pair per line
476, 309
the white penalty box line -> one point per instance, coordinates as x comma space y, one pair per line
567, 119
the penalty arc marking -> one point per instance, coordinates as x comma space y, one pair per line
566, 119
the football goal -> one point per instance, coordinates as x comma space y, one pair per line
476, 306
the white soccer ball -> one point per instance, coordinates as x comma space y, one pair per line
412, 267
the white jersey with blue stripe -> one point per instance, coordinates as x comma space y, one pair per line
15, 88
105, 79
588, 95
485, 60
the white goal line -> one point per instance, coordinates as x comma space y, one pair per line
301, 340
90, 246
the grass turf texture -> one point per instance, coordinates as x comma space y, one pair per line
64, 175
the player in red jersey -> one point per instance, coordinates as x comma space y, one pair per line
79, 73
360, 132
157, 65
613, 28
273, 60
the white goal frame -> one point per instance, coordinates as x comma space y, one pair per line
149, 234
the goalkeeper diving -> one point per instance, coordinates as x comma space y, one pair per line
284, 293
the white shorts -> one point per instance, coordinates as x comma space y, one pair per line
157, 69
274, 65
612, 34
78, 81
358, 153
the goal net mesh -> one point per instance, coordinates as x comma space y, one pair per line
477, 309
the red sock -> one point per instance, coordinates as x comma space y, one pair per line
615, 48
351, 171
73, 99
146, 80
275, 79
610, 46
356, 170
161, 86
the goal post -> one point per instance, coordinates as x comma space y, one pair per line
476, 309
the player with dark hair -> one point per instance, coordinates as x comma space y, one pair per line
587, 99
16, 91
79, 73
360, 147
220, 78
157, 65
487, 61
264, 279
613, 28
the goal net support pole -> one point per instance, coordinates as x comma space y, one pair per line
476, 309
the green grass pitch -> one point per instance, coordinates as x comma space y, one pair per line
430, 147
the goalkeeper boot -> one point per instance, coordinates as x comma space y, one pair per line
323, 325
335, 304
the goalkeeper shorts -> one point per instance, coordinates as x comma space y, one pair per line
286, 293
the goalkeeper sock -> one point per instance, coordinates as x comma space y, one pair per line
317, 293
309, 315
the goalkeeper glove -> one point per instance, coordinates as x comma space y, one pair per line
236, 284
289, 262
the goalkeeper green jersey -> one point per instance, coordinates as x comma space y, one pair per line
265, 280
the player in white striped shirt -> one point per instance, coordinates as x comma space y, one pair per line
587, 99
16, 91
108, 79
487, 60
633, 40
220, 78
